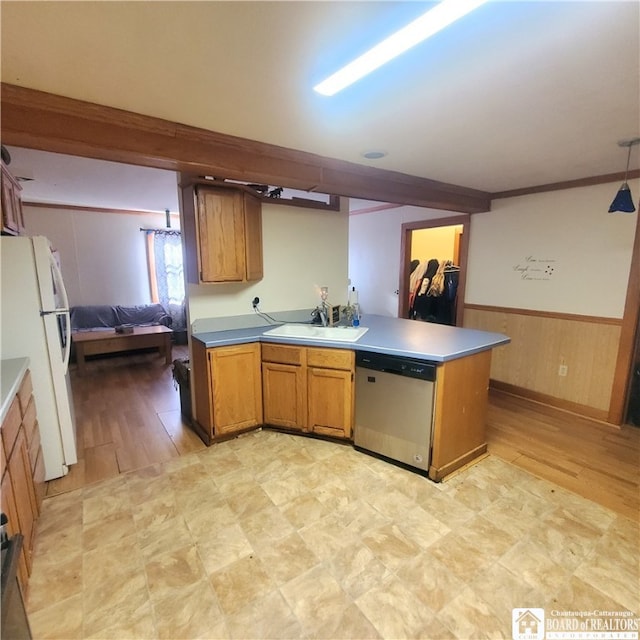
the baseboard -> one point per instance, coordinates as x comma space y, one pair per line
557, 403
475, 455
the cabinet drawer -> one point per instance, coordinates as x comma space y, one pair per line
11, 426
25, 391
29, 421
282, 354
331, 358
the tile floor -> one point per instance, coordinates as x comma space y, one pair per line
278, 536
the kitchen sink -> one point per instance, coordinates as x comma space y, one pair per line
314, 332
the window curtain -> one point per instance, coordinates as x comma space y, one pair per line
164, 252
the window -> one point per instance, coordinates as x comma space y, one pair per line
166, 278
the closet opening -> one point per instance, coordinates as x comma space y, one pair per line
433, 264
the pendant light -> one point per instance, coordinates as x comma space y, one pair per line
623, 202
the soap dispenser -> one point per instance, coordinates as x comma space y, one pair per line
355, 307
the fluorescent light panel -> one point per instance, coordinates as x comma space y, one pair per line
434, 20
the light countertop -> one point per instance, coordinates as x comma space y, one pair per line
391, 336
11, 373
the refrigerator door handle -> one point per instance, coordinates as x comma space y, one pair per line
56, 312
63, 311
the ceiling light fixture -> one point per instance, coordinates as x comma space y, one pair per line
434, 20
623, 202
374, 154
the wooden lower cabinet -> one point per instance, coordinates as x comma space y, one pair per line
330, 382
284, 393
22, 473
308, 389
284, 386
330, 402
19, 471
460, 413
229, 395
10, 509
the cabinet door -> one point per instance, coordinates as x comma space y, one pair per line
10, 510
221, 235
11, 204
285, 395
253, 237
330, 393
18, 215
19, 469
235, 387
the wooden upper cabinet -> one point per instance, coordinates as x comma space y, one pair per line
223, 233
253, 237
12, 217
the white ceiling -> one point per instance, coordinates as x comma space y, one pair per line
516, 94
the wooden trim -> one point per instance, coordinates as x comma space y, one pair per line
405, 259
88, 209
568, 184
39, 120
546, 314
374, 209
201, 432
626, 347
404, 276
438, 473
557, 403
432, 223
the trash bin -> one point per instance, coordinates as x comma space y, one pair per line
182, 379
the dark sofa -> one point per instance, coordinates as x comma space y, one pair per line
96, 317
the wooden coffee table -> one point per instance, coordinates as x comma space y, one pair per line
91, 343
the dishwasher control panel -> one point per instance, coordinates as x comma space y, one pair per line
394, 364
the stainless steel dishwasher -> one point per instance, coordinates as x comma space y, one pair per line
394, 408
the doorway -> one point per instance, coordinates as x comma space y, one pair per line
443, 240
632, 412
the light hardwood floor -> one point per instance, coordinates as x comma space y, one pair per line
595, 460
128, 417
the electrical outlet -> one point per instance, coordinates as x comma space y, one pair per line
255, 302
563, 370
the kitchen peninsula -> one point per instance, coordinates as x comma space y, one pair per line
245, 379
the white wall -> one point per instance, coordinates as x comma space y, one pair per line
103, 255
557, 251
374, 254
570, 231
304, 249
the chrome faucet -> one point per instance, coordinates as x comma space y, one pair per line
322, 313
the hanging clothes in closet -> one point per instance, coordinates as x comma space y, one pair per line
433, 288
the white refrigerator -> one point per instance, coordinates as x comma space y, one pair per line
35, 323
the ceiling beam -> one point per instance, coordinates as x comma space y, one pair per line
45, 121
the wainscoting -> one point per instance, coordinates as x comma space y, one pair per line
540, 343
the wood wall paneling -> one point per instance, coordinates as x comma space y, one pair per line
540, 344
